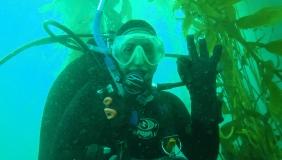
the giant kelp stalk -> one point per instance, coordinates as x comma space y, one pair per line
248, 83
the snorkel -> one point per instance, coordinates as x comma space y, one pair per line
97, 30
104, 48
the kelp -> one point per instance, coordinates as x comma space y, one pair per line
273, 46
249, 91
264, 17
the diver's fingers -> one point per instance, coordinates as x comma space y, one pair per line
203, 48
183, 67
217, 51
191, 46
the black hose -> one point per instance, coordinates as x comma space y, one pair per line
80, 45
166, 86
174, 55
42, 41
69, 40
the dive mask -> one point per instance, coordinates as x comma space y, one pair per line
137, 46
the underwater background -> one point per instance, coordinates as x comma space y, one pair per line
249, 83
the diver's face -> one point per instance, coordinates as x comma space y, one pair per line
139, 64
138, 52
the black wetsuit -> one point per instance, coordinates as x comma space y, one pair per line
74, 119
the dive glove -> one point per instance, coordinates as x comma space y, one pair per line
198, 72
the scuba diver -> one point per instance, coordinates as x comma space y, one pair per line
103, 104
92, 114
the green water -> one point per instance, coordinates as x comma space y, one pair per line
26, 79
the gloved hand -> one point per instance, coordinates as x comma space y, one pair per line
198, 72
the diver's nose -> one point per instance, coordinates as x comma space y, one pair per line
139, 57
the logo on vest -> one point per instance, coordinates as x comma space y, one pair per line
147, 128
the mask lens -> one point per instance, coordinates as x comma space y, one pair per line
124, 46
125, 52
